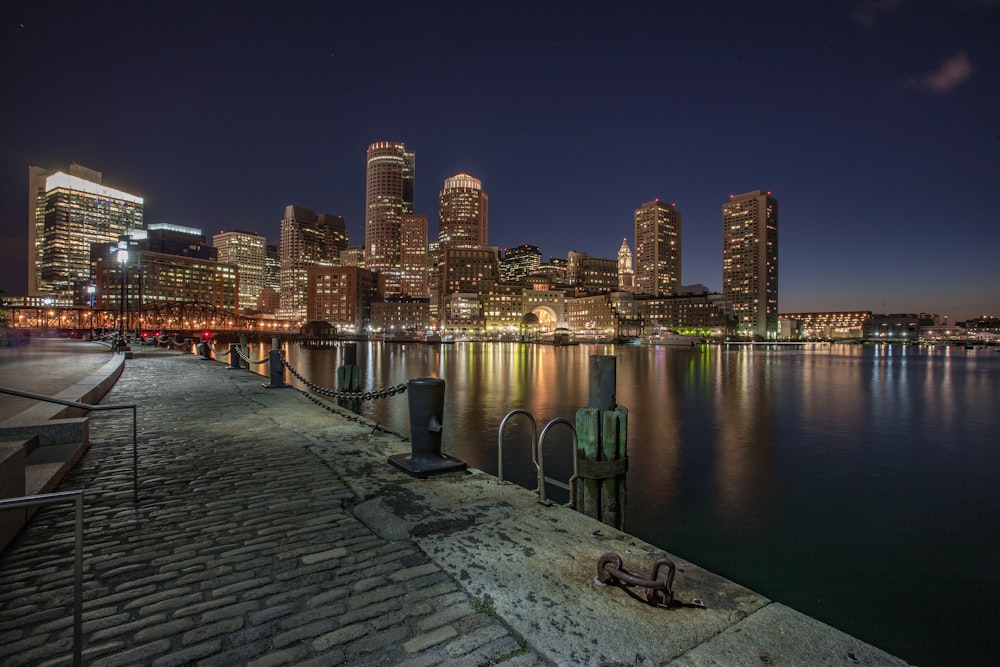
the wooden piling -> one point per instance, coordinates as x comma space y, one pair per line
602, 444
348, 374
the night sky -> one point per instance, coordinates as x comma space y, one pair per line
875, 124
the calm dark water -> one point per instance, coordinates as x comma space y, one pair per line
857, 484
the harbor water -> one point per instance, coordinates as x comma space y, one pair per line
857, 484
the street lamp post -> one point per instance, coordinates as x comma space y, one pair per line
123, 264
91, 289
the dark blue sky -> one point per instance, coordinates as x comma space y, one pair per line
876, 124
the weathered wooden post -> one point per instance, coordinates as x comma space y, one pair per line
601, 445
348, 373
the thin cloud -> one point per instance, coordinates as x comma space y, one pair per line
869, 12
953, 72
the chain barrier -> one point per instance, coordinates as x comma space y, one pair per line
659, 592
217, 351
351, 395
244, 357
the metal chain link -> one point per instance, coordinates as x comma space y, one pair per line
247, 359
352, 395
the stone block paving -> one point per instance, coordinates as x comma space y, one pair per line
242, 550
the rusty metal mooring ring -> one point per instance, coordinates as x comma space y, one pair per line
611, 570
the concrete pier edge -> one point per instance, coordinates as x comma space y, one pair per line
529, 566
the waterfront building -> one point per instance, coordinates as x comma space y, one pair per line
401, 316
503, 309
547, 305
657, 249
307, 239
609, 316
67, 213
467, 270
413, 256
520, 262
697, 314
462, 314
983, 324
591, 274
750, 262
248, 251
341, 296
148, 279
835, 325
388, 195
626, 270
894, 327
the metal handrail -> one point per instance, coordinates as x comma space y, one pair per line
98, 408
541, 463
538, 454
49, 499
534, 439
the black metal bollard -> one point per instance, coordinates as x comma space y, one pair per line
205, 349
234, 357
277, 368
426, 403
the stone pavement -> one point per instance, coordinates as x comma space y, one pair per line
243, 549
272, 531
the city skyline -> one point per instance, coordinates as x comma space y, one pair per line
873, 123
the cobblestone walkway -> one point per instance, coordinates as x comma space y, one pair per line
243, 548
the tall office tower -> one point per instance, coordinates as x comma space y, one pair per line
413, 255
307, 240
519, 263
750, 262
67, 213
657, 249
463, 207
626, 274
388, 195
272, 274
248, 251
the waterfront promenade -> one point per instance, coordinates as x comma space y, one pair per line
270, 530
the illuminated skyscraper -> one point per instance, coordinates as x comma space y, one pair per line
307, 240
413, 255
463, 207
657, 249
389, 194
67, 213
750, 262
248, 251
626, 274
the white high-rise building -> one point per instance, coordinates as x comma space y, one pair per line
750, 262
67, 213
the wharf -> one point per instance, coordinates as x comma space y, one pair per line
270, 530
